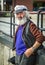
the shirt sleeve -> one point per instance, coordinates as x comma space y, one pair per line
36, 32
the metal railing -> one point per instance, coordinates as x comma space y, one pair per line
40, 13
5, 41
8, 22
38, 18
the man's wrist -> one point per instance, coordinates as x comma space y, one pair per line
33, 49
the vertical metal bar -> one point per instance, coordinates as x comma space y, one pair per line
11, 24
38, 19
41, 20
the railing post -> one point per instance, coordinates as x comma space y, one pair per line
11, 24
38, 18
41, 21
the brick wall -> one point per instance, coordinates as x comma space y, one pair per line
28, 3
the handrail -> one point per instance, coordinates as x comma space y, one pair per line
36, 12
42, 29
5, 11
8, 23
2, 32
4, 22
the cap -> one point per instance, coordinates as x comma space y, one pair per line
20, 8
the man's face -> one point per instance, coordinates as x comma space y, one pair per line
20, 18
20, 15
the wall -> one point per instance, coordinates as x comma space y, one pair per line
28, 3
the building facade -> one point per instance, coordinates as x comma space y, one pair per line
31, 4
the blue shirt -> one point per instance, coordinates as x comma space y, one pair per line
20, 45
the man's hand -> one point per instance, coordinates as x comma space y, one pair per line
28, 52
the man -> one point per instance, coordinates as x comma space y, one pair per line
28, 38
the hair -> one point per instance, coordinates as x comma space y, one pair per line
27, 14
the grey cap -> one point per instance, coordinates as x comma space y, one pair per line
20, 8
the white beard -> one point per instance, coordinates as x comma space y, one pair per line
19, 22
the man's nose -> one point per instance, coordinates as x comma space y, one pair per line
20, 16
